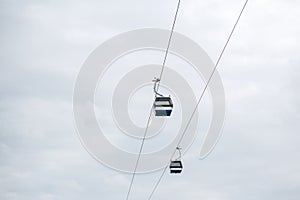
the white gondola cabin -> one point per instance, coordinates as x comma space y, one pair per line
163, 106
176, 167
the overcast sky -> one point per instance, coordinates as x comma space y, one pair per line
43, 45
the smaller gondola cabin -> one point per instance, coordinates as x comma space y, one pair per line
176, 167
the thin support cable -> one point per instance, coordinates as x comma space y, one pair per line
169, 43
139, 156
157, 183
149, 118
202, 94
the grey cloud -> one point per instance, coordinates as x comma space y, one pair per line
43, 45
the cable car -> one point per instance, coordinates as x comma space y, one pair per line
163, 106
176, 167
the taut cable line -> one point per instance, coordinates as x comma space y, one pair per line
201, 96
150, 114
